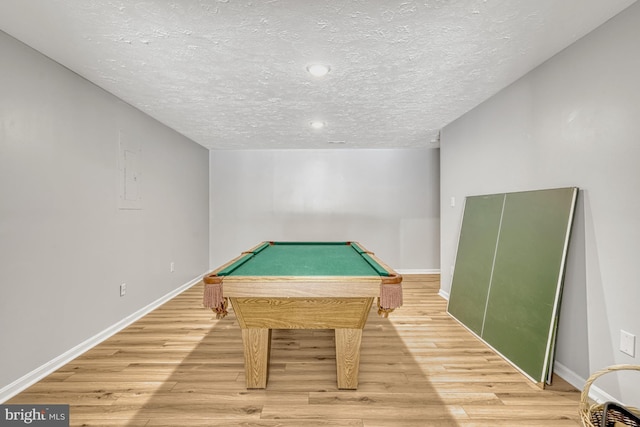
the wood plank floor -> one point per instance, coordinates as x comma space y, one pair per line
179, 366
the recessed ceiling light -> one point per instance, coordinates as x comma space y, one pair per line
317, 124
318, 70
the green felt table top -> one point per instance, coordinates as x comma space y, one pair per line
305, 259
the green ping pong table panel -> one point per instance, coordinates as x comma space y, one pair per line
508, 274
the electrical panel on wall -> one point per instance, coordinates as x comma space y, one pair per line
129, 176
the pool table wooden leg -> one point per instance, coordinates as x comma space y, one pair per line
257, 347
348, 357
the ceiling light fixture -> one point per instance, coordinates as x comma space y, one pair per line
318, 70
317, 124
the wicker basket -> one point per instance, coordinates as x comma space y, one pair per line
592, 413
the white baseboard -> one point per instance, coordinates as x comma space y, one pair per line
408, 271
595, 392
569, 376
39, 373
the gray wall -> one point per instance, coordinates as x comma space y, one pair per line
388, 200
574, 121
65, 247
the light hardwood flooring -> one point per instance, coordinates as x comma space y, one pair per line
179, 366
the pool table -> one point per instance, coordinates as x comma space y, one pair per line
303, 285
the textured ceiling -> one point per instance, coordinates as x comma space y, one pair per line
232, 73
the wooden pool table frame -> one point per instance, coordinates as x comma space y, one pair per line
263, 303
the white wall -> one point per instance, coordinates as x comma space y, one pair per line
574, 121
388, 200
65, 247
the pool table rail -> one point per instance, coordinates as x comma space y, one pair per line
297, 286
